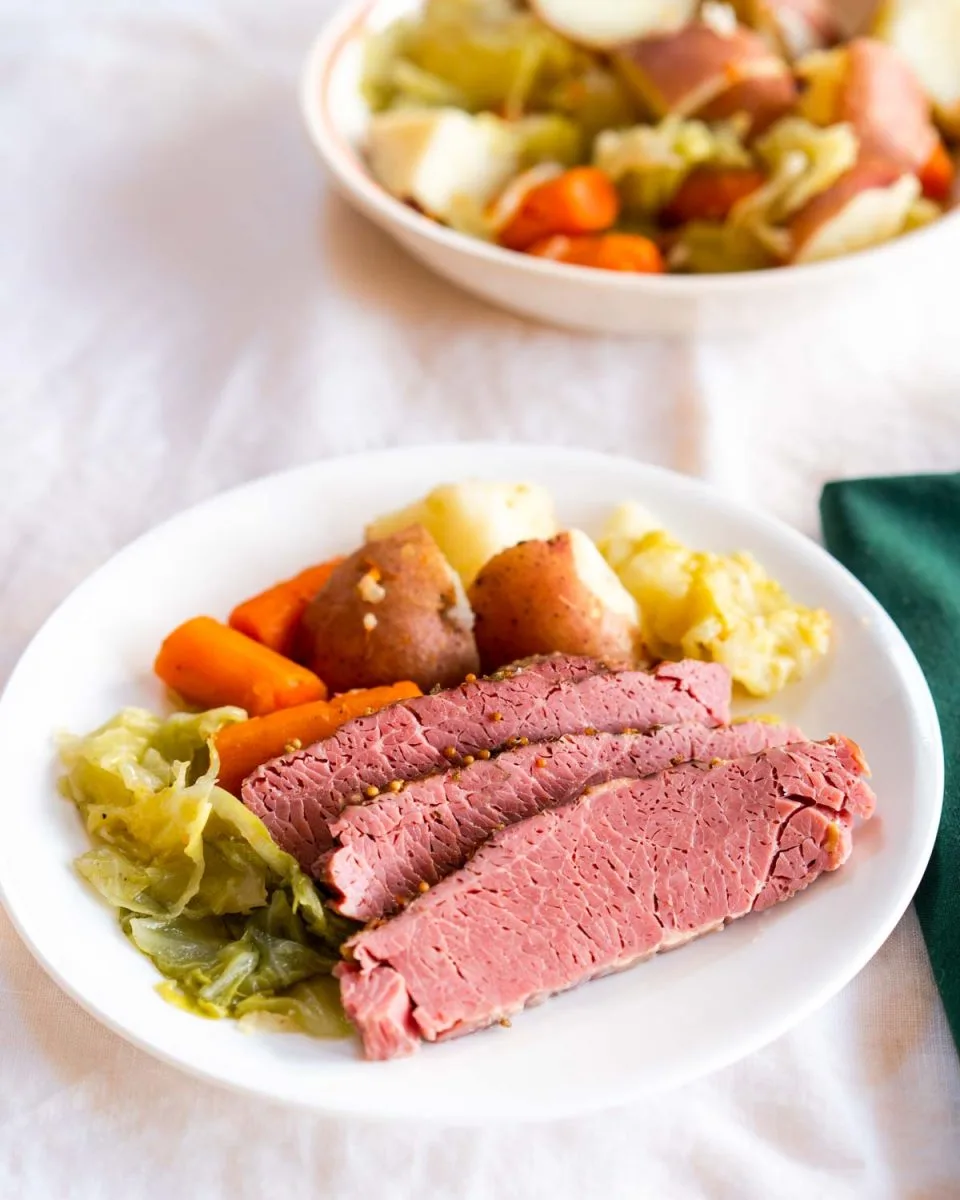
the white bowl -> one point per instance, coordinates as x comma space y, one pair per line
577, 297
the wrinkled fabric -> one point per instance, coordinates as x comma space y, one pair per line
185, 304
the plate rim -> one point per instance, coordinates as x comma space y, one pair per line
920, 699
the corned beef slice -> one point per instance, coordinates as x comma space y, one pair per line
385, 849
299, 794
593, 886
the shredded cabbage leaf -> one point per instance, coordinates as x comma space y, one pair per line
803, 161
481, 55
649, 162
200, 887
719, 607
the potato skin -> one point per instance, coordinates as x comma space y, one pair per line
529, 600
393, 610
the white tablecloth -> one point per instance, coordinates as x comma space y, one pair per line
183, 306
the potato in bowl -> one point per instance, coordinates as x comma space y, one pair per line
557, 283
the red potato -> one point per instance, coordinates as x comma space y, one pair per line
764, 100
542, 597
865, 207
395, 609
869, 85
688, 72
793, 27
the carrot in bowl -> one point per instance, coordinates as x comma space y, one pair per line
609, 252
937, 175
244, 746
211, 664
272, 617
709, 193
582, 200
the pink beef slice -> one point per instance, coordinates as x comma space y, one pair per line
298, 795
627, 869
384, 850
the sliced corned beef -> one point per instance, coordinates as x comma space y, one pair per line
595, 885
298, 795
384, 850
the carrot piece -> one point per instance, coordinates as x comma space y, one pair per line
609, 252
582, 200
937, 175
244, 746
211, 664
709, 193
272, 617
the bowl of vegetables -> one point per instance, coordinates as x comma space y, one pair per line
632, 166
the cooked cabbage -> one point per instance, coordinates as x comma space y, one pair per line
722, 608
200, 886
711, 248
649, 162
803, 160
490, 54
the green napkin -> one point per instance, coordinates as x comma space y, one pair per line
901, 537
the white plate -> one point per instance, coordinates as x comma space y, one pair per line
666, 1021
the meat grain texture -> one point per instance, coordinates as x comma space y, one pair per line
626, 870
298, 795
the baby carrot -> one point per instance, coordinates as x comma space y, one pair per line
212, 664
272, 617
582, 200
244, 746
936, 177
709, 193
609, 252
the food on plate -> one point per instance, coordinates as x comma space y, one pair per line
926, 33
690, 72
794, 27
210, 664
474, 520
606, 24
643, 137
540, 597
608, 252
299, 796
200, 887
273, 616
633, 868
568, 801
387, 850
723, 608
867, 85
870, 204
243, 745
395, 609
581, 200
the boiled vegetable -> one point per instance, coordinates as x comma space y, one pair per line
606, 252
582, 200
199, 885
395, 609
938, 174
720, 607
272, 617
543, 597
210, 664
474, 520
709, 193
243, 746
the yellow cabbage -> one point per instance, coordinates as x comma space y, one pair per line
199, 885
649, 162
721, 608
